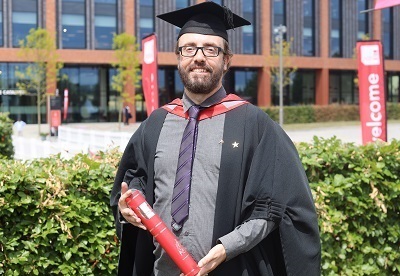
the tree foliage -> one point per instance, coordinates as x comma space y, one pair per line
6, 130
128, 68
288, 69
39, 50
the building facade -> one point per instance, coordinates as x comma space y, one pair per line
323, 35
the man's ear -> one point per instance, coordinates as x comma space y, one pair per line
227, 61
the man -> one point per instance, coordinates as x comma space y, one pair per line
127, 115
251, 210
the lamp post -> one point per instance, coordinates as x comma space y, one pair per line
280, 30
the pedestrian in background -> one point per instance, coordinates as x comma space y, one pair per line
222, 175
19, 126
127, 115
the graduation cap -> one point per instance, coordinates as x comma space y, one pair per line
206, 18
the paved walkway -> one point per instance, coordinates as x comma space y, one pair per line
86, 137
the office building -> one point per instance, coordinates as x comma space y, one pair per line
323, 35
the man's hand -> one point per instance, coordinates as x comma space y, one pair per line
126, 212
213, 259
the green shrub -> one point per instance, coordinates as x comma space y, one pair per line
336, 113
292, 114
6, 130
324, 113
393, 111
357, 193
55, 217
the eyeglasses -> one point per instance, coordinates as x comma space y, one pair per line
208, 51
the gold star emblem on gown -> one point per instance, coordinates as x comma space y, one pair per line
235, 144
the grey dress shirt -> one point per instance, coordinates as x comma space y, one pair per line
196, 232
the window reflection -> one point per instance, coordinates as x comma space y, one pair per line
105, 23
248, 31
245, 82
387, 32
1, 23
300, 91
146, 18
393, 84
342, 89
336, 28
73, 24
180, 4
279, 17
84, 93
19, 106
24, 18
308, 28
362, 19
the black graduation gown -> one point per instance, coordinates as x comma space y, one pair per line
262, 178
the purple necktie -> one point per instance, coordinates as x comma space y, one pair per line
180, 196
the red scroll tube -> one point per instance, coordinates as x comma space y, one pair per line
162, 234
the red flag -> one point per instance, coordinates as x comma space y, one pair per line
371, 85
381, 4
65, 104
149, 73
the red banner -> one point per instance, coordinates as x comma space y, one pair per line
65, 104
371, 84
149, 73
381, 4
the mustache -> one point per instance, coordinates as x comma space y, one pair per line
204, 67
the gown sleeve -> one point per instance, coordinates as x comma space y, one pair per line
278, 190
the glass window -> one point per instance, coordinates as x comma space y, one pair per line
1, 23
248, 31
387, 32
279, 13
180, 4
393, 84
83, 86
363, 29
13, 77
302, 88
246, 85
178, 85
105, 23
73, 24
308, 28
279, 17
146, 19
24, 18
113, 95
342, 89
19, 106
3, 76
336, 28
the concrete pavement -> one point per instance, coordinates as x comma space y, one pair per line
89, 137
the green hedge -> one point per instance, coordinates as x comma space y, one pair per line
6, 130
55, 218
325, 113
357, 193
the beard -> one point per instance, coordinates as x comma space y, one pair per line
201, 84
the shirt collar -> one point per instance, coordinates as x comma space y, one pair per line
212, 100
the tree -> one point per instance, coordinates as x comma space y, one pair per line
288, 69
39, 49
127, 65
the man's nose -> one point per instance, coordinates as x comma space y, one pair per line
199, 55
